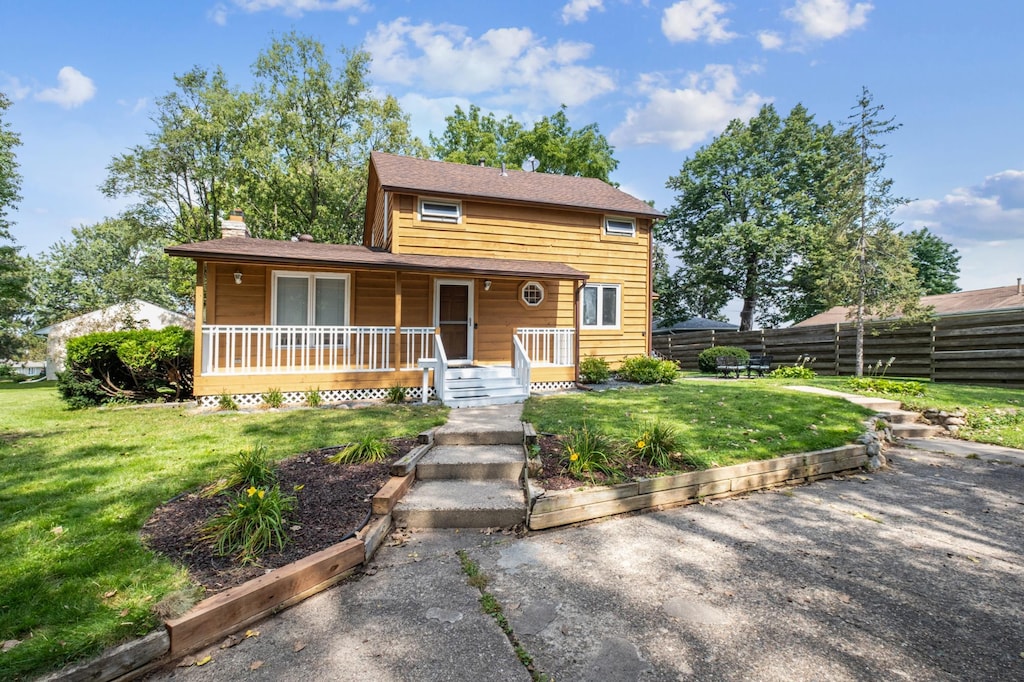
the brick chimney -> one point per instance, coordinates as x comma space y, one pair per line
234, 227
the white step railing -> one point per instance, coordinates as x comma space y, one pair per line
549, 345
280, 349
520, 364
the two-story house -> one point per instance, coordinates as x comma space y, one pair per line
473, 283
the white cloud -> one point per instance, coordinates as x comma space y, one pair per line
690, 20
988, 213
577, 10
218, 14
296, 8
680, 117
73, 89
14, 89
511, 64
769, 40
826, 19
136, 106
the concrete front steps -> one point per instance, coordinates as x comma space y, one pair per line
472, 476
479, 386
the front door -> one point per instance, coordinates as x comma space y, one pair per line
453, 315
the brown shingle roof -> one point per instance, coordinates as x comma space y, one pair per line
439, 178
977, 300
274, 252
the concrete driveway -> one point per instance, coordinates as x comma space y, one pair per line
916, 573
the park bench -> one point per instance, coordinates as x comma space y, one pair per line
726, 365
759, 364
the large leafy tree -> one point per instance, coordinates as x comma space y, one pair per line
552, 145
114, 261
317, 124
864, 262
187, 174
291, 153
937, 262
745, 206
13, 266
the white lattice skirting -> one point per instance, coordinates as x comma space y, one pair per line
542, 386
328, 397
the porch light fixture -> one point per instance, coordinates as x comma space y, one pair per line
238, 276
487, 285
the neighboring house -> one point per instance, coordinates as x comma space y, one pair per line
27, 368
132, 315
496, 281
975, 301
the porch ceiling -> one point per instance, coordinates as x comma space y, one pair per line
275, 252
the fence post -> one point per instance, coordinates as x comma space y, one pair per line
931, 357
837, 350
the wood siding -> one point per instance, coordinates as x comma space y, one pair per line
576, 238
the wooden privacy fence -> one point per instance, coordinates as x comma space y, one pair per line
972, 348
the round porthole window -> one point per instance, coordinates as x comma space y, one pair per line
532, 294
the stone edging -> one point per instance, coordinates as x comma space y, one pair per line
549, 509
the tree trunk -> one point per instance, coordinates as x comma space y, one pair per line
747, 314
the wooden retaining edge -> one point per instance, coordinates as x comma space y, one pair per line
116, 662
529, 434
407, 464
426, 437
393, 491
562, 508
239, 606
373, 535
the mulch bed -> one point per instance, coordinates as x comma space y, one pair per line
555, 477
332, 501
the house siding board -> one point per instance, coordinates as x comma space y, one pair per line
489, 230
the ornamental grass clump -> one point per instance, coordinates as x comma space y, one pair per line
253, 522
252, 466
586, 451
367, 450
654, 442
273, 398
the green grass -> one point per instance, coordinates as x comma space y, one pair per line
715, 422
78, 487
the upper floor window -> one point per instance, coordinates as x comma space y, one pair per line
440, 211
601, 306
622, 227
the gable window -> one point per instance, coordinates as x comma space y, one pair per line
532, 294
310, 299
440, 211
621, 227
601, 306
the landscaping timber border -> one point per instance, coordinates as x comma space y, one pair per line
563, 507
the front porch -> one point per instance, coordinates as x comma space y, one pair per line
344, 363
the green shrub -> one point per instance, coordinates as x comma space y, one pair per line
654, 442
890, 386
706, 361
253, 522
313, 397
594, 370
227, 402
273, 398
586, 450
367, 449
792, 372
397, 394
644, 369
134, 366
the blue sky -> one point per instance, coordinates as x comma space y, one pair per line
660, 79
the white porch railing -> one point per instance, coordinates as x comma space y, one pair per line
440, 366
520, 364
548, 345
263, 349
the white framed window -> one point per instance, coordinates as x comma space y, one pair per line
440, 211
310, 299
620, 227
600, 307
532, 294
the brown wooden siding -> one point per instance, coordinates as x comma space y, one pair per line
575, 238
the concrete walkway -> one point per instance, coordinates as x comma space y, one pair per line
915, 573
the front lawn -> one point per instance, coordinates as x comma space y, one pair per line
717, 422
78, 486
